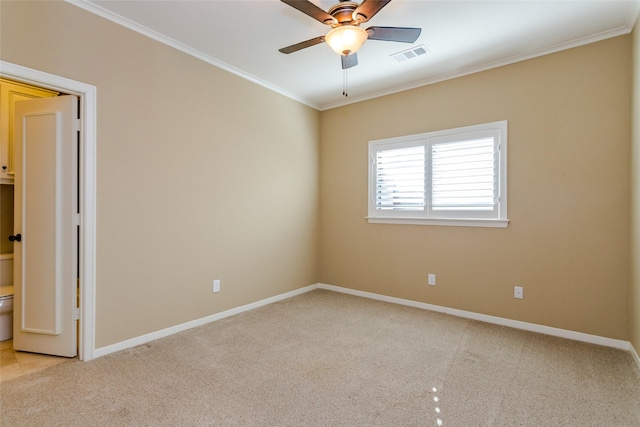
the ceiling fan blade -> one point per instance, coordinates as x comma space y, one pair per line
349, 61
368, 8
298, 46
394, 34
311, 10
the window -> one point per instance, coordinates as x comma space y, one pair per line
450, 177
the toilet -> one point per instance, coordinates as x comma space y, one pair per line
6, 296
6, 313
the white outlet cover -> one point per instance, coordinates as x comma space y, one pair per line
431, 279
518, 292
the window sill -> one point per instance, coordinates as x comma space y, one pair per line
491, 223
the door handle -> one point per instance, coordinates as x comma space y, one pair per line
16, 238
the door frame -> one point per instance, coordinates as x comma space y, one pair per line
87, 181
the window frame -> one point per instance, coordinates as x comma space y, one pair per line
497, 217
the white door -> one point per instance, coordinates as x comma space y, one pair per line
46, 226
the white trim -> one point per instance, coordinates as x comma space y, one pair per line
634, 355
546, 330
532, 327
87, 95
462, 222
134, 26
123, 345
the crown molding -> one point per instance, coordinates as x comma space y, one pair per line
634, 13
491, 65
141, 29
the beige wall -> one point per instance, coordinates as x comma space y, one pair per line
201, 174
634, 299
568, 187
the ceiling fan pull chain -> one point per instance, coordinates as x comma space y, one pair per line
344, 83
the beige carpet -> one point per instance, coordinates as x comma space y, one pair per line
328, 359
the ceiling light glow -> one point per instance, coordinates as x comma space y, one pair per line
346, 39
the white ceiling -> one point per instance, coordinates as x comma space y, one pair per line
243, 36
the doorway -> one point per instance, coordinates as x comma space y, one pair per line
87, 200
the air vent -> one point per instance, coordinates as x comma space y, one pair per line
414, 52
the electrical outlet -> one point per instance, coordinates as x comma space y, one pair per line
216, 285
518, 292
431, 279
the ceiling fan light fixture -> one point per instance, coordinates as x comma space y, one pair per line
346, 39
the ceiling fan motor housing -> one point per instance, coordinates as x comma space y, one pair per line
343, 13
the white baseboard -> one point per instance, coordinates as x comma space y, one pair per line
634, 355
532, 327
133, 342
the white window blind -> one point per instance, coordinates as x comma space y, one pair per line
450, 177
464, 175
400, 179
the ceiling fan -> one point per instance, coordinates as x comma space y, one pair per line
346, 36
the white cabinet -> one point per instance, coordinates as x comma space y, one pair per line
10, 93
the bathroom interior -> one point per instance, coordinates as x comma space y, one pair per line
6, 262
12, 363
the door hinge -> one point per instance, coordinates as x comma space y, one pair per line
76, 313
76, 124
76, 219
